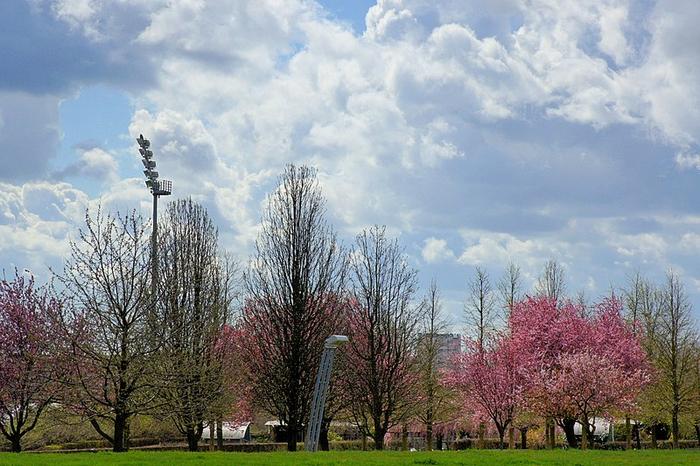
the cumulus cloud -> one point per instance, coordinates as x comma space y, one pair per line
94, 163
436, 250
509, 129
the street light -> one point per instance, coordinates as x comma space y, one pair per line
158, 188
318, 402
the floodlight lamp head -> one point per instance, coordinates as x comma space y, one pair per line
334, 341
145, 143
151, 174
148, 164
146, 153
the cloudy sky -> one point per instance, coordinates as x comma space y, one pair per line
479, 132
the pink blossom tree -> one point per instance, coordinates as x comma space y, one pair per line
28, 363
488, 378
577, 367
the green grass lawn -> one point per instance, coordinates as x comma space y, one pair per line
467, 457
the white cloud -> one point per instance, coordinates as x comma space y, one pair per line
612, 38
687, 160
99, 163
436, 250
483, 247
452, 113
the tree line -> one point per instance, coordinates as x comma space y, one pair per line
217, 341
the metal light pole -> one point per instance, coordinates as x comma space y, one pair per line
157, 188
318, 402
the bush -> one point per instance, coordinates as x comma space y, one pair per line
342, 445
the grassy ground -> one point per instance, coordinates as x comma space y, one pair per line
468, 457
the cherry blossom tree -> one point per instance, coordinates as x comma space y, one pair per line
488, 378
577, 367
29, 365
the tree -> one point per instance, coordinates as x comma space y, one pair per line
672, 346
488, 378
383, 327
510, 289
576, 366
552, 282
434, 399
196, 283
29, 361
292, 283
109, 323
480, 306
637, 298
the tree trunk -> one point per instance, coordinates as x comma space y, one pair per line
553, 435
523, 438
219, 434
511, 438
550, 437
429, 436
212, 427
364, 442
501, 435
379, 441
628, 438
404, 437
323, 444
653, 436
675, 429
119, 443
438, 442
192, 439
16, 442
697, 431
482, 432
567, 425
291, 438
584, 433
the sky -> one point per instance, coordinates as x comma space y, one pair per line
479, 132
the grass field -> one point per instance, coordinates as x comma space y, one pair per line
467, 457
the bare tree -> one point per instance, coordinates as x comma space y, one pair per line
384, 323
106, 281
293, 287
552, 282
653, 411
673, 349
637, 297
510, 289
480, 306
196, 291
435, 399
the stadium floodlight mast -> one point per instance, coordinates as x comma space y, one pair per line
318, 403
158, 188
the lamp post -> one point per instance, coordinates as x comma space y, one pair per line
318, 402
158, 188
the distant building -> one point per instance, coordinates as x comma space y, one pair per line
450, 344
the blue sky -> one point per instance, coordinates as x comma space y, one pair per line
479, 132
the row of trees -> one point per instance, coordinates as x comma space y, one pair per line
97, 342
551, 360
101, 344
